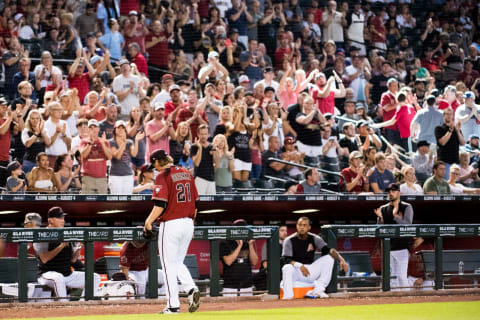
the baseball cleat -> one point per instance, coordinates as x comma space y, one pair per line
312, 294
193, 300
170, 311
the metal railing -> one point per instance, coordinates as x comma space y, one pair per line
23, 236
387, 231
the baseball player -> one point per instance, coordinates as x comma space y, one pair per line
298, 261
174, 197
397, 212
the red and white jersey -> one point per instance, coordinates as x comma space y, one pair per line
388, 98
176, 186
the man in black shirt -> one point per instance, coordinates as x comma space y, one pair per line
397, 212
449, 138
349, 142
298, 261
238, 257
273, 168
202, 156
55, 261
378, 84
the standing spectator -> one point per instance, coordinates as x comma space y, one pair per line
135, 32
284, 52
35, 139
436, 184
238, 257
95, 152
425, 120
223, 163
106, 10
421, 162
267, 80
202, 155
136, 126
272, 21
239, 142
87, 22
309, 120
212, 107
11, 59
44, 72
57, 132
157, 132
273, 168
468, 115
349, 142
257, 13
333, 23
94, 108
194, 113
164, 95
106, 126
325, 92
79, 79
67, 178
25, 75
397, 212
378, 31
252, 62
449, 138
239, 18
156, 43
182, 141
449, 99
120, 178
113, 41
358, 75
354, 177
469, 76
137, 57
388, 101
175, 104
381, 177
128, 88
355, 31
41, 178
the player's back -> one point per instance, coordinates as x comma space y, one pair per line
176, 186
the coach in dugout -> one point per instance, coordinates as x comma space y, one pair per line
55, 261
298, 261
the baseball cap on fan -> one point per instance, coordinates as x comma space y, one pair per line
56, 212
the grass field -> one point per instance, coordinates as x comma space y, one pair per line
433, 311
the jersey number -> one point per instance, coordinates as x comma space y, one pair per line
183, 192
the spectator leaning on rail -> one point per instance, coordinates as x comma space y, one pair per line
354, 177
381, 177
436, 184
311, 183
55, 261
298, 260
397, 212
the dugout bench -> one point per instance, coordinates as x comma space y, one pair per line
450, 261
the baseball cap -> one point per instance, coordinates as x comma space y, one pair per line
93, 122
431, 99
243, 79
18, 16
146, 167
355, 155
209, 85
328, 116
91, 35
159, 106
268, 89
320, 74
12, 166
473, 136
233, 30
240, 222
167, 76
56, 212
362, 123
3, 101
95, 59
213, 54
359, 105
173, 87
123, 61
392, 187
391, 80
423, 143
289, 140
340, 52
120, 123
33, 217
133, 13
469, 94
267, 69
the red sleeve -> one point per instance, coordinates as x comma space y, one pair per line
182, 116
124, 261
300, 189
385, 100
160, 191
204, 116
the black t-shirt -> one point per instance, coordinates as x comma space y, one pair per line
106, 127
205, 168
267, 170
293, 110
309, 134
239, 273
240, 142
220, 129
176, 150
348, 143
387, 214
379, 86
449, 152
190, 35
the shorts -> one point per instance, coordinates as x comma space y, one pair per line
240, 165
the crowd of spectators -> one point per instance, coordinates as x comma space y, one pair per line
367, 92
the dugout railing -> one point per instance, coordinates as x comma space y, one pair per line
214, 234
331, 233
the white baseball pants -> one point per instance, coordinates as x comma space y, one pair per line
232, 292
320, 274
59, 283
141, 279
173, 240
399, 268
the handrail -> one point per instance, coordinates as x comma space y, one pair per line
303, 166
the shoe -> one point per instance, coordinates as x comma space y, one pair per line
312, 294
193, 300
168, 310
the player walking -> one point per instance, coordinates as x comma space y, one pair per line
174, 197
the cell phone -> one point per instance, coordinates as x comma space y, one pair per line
228, 42
332, 138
